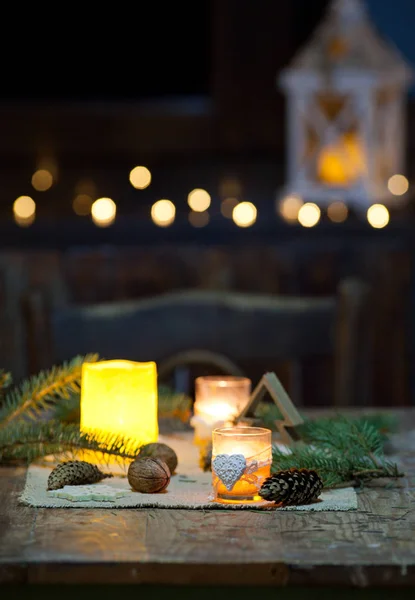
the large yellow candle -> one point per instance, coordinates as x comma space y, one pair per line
241, 461
120, 397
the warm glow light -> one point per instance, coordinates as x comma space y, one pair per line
103, 212
230, 187
378, 216
199, 219
218, 400
227, 206
42, 180
337, 212
82, 205
24, 207
342, 162
163, 213
140, 178
119, 397
252, 445
309, 215
289, 207
199, 200
244, 214
398, 185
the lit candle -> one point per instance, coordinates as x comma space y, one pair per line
241, 461
119, 397
218, 401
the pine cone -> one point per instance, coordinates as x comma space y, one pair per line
292, 487
74, 472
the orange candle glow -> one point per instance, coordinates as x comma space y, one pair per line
219, 400
241, 461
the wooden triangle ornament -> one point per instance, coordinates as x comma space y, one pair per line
291, 417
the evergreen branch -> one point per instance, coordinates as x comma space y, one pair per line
334, 466
25, 442
5, 380
38, 393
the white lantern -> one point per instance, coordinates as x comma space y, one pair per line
346, 111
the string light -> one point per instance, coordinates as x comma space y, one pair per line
82, 205
227, 206
378, 216
42, 180
289, 207
163, 213
337, 212
309, 214
140, 177
103, 212
244, 214
199, 200
199, 219
398, 185
24, 211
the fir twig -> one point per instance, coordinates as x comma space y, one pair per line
5, 381
25, 442
35, 395
340, 449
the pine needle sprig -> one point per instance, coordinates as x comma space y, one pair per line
5, 381
25, 442
342, 450
335, 468
38, 393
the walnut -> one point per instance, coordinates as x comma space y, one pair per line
162, 451
148, 475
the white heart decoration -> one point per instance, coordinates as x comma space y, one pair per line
229, 468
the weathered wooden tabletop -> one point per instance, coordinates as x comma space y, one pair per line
374, 546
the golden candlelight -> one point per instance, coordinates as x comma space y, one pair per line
219, 399
119, 397
241, 461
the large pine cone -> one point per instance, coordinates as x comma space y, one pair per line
75, 472
292, 487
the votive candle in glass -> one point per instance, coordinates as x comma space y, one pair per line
241, 461
218, 401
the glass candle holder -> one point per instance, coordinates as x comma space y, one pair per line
219, 399
241, 461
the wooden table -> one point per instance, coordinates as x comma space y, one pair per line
373, 547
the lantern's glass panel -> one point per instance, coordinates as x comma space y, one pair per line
340, 160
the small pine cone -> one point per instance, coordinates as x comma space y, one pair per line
292, 487
205, 457
74, 472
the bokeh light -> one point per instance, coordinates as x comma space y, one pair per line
289, 207
42, 180
244, 214
163, 213
103, 212
227, 206
309, 215
24, 211
199, 200
398, 185
82, 205
337, 212
199, 219
140, 178
229, 187
378, 216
